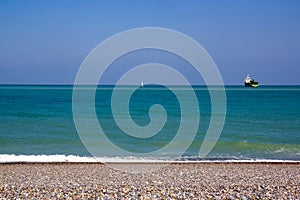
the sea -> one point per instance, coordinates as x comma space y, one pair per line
37, 124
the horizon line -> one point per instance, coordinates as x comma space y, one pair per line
69, 84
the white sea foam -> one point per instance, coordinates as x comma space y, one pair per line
7, 158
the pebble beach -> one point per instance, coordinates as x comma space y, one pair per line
175, 181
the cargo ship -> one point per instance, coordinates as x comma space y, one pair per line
249, 82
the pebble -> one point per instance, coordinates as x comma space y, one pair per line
176, 181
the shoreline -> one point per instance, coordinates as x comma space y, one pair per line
60, 158
177, 180
154, 162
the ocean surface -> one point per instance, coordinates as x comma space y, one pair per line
36, 124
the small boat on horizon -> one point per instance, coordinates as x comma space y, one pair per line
249, 82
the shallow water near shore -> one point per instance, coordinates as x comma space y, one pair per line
261, 123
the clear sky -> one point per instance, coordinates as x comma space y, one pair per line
45, 42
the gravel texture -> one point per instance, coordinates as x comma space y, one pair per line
175, 181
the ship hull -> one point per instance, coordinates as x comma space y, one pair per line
251, 85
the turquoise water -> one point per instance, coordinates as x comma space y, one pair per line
261, 123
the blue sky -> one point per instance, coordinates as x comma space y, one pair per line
45, 42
